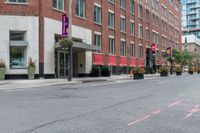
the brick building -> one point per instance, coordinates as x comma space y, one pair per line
123, 29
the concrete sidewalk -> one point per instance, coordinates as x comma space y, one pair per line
22, 84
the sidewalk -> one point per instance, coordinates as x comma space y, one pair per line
23, 84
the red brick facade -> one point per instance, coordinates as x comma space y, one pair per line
43, 8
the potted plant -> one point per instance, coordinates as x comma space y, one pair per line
105, 71
191, 70
163, 71
31, 69
138, 73
96, 71
2, 70
179, 71
198, 70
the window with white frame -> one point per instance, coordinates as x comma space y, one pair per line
58, 4
164, 12
112, 1
122, 24
123, 48
112, 46
132, 28
164, 41
171, 2
140, 51
147, 33
18, 50
132, 50
17, 1
97, 39
80, 8
140, 11
147, 15
111, 20
97, 14
155, 38
132, 6
140, 31
123, 4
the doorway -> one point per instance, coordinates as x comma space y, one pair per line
62, 64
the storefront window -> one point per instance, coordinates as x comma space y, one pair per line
17, 57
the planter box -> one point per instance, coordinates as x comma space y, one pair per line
2, 73
31, 72
163, 74
138, 76
105, 73
190, 72
178, 73
96, 73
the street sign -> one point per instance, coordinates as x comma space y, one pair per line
65, 25
168, 51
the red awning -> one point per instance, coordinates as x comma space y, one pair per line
141, 62
98, 59
123, 61
112, 60
132, 62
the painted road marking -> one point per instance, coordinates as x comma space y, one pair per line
193, 110
156, 112
174, 104
139, 120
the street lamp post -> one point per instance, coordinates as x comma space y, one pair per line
70, 70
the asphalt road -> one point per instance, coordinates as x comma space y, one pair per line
160, 105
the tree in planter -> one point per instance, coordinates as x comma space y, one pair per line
66, 43
31, 69
138, 73
2, 70
163, 71
191, 69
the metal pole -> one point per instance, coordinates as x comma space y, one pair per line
70, 71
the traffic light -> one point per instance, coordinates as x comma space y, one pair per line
153, 50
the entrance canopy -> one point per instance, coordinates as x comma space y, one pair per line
79, 45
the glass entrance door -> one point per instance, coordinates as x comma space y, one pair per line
62, 64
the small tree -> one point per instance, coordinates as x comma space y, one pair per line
66, 43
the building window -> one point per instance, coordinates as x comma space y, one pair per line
80, 8
171, 2
155, 4
140, 12
122, 48
132, 27
132, 6
123, 4
112, 1
140, 52
111, 20
164, 41
147, 15
58, 4
132, 50
97, 40
111, 46
155, 38
140, 31
122, 24
17, 1
97, 14
147, 34
18, 50
164, 12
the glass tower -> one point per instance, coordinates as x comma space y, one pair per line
191, 17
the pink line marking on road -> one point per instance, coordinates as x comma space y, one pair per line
173, 104
139, 120
156, 111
